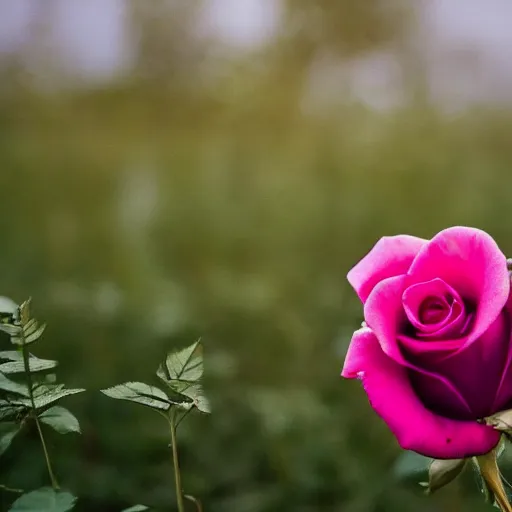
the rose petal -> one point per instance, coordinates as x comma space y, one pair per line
416, 428
384, 314
475, 371
503, 399
470, 261
391, 256
433, 350
385, 332
439, 395
414, 296
456, 325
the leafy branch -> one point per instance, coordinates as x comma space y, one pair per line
181, 372
31, 399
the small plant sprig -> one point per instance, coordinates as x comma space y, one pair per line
28, 394
181, 372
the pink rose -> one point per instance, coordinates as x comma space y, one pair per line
436, 355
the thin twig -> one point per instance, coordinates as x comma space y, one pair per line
177, 474
11, 489
195, 501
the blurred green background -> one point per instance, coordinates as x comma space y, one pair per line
213, 191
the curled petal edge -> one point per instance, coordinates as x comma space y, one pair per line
389, 257
415, 427
469, 260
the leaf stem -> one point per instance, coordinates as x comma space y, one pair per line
53, 479
195, 501
11, 489
177, 473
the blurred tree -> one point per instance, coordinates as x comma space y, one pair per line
342, 27
169, 49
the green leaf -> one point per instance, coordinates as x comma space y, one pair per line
35, 365
31, 332
34, 333
44, 500
11, 355
7, 433
203, 404
30, 327
7, 306
24, 311
191, 394
10, 410
196, 394
182, 372
10, 329
185, 365
60, 419
46, 395
442, 472
10, 386
140, 393
135, 508
410, 463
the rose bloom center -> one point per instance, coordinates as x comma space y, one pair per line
433, 310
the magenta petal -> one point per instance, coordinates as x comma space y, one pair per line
384, 314
442, 392
416, 428
470, 261
476, 372
415, 295
503, 398
391, 256
432, 350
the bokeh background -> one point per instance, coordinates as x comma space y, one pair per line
176, 169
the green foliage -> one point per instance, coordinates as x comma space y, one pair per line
45, 395
35, 365
45, 499
182, 372
15, 388
25, 330
8, 430
185, 365
140, 393
11, 355
7, 307
136, 508
443, 472
61, 420
32, 401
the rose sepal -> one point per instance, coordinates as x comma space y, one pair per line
441, 472
501, 421
488, 468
